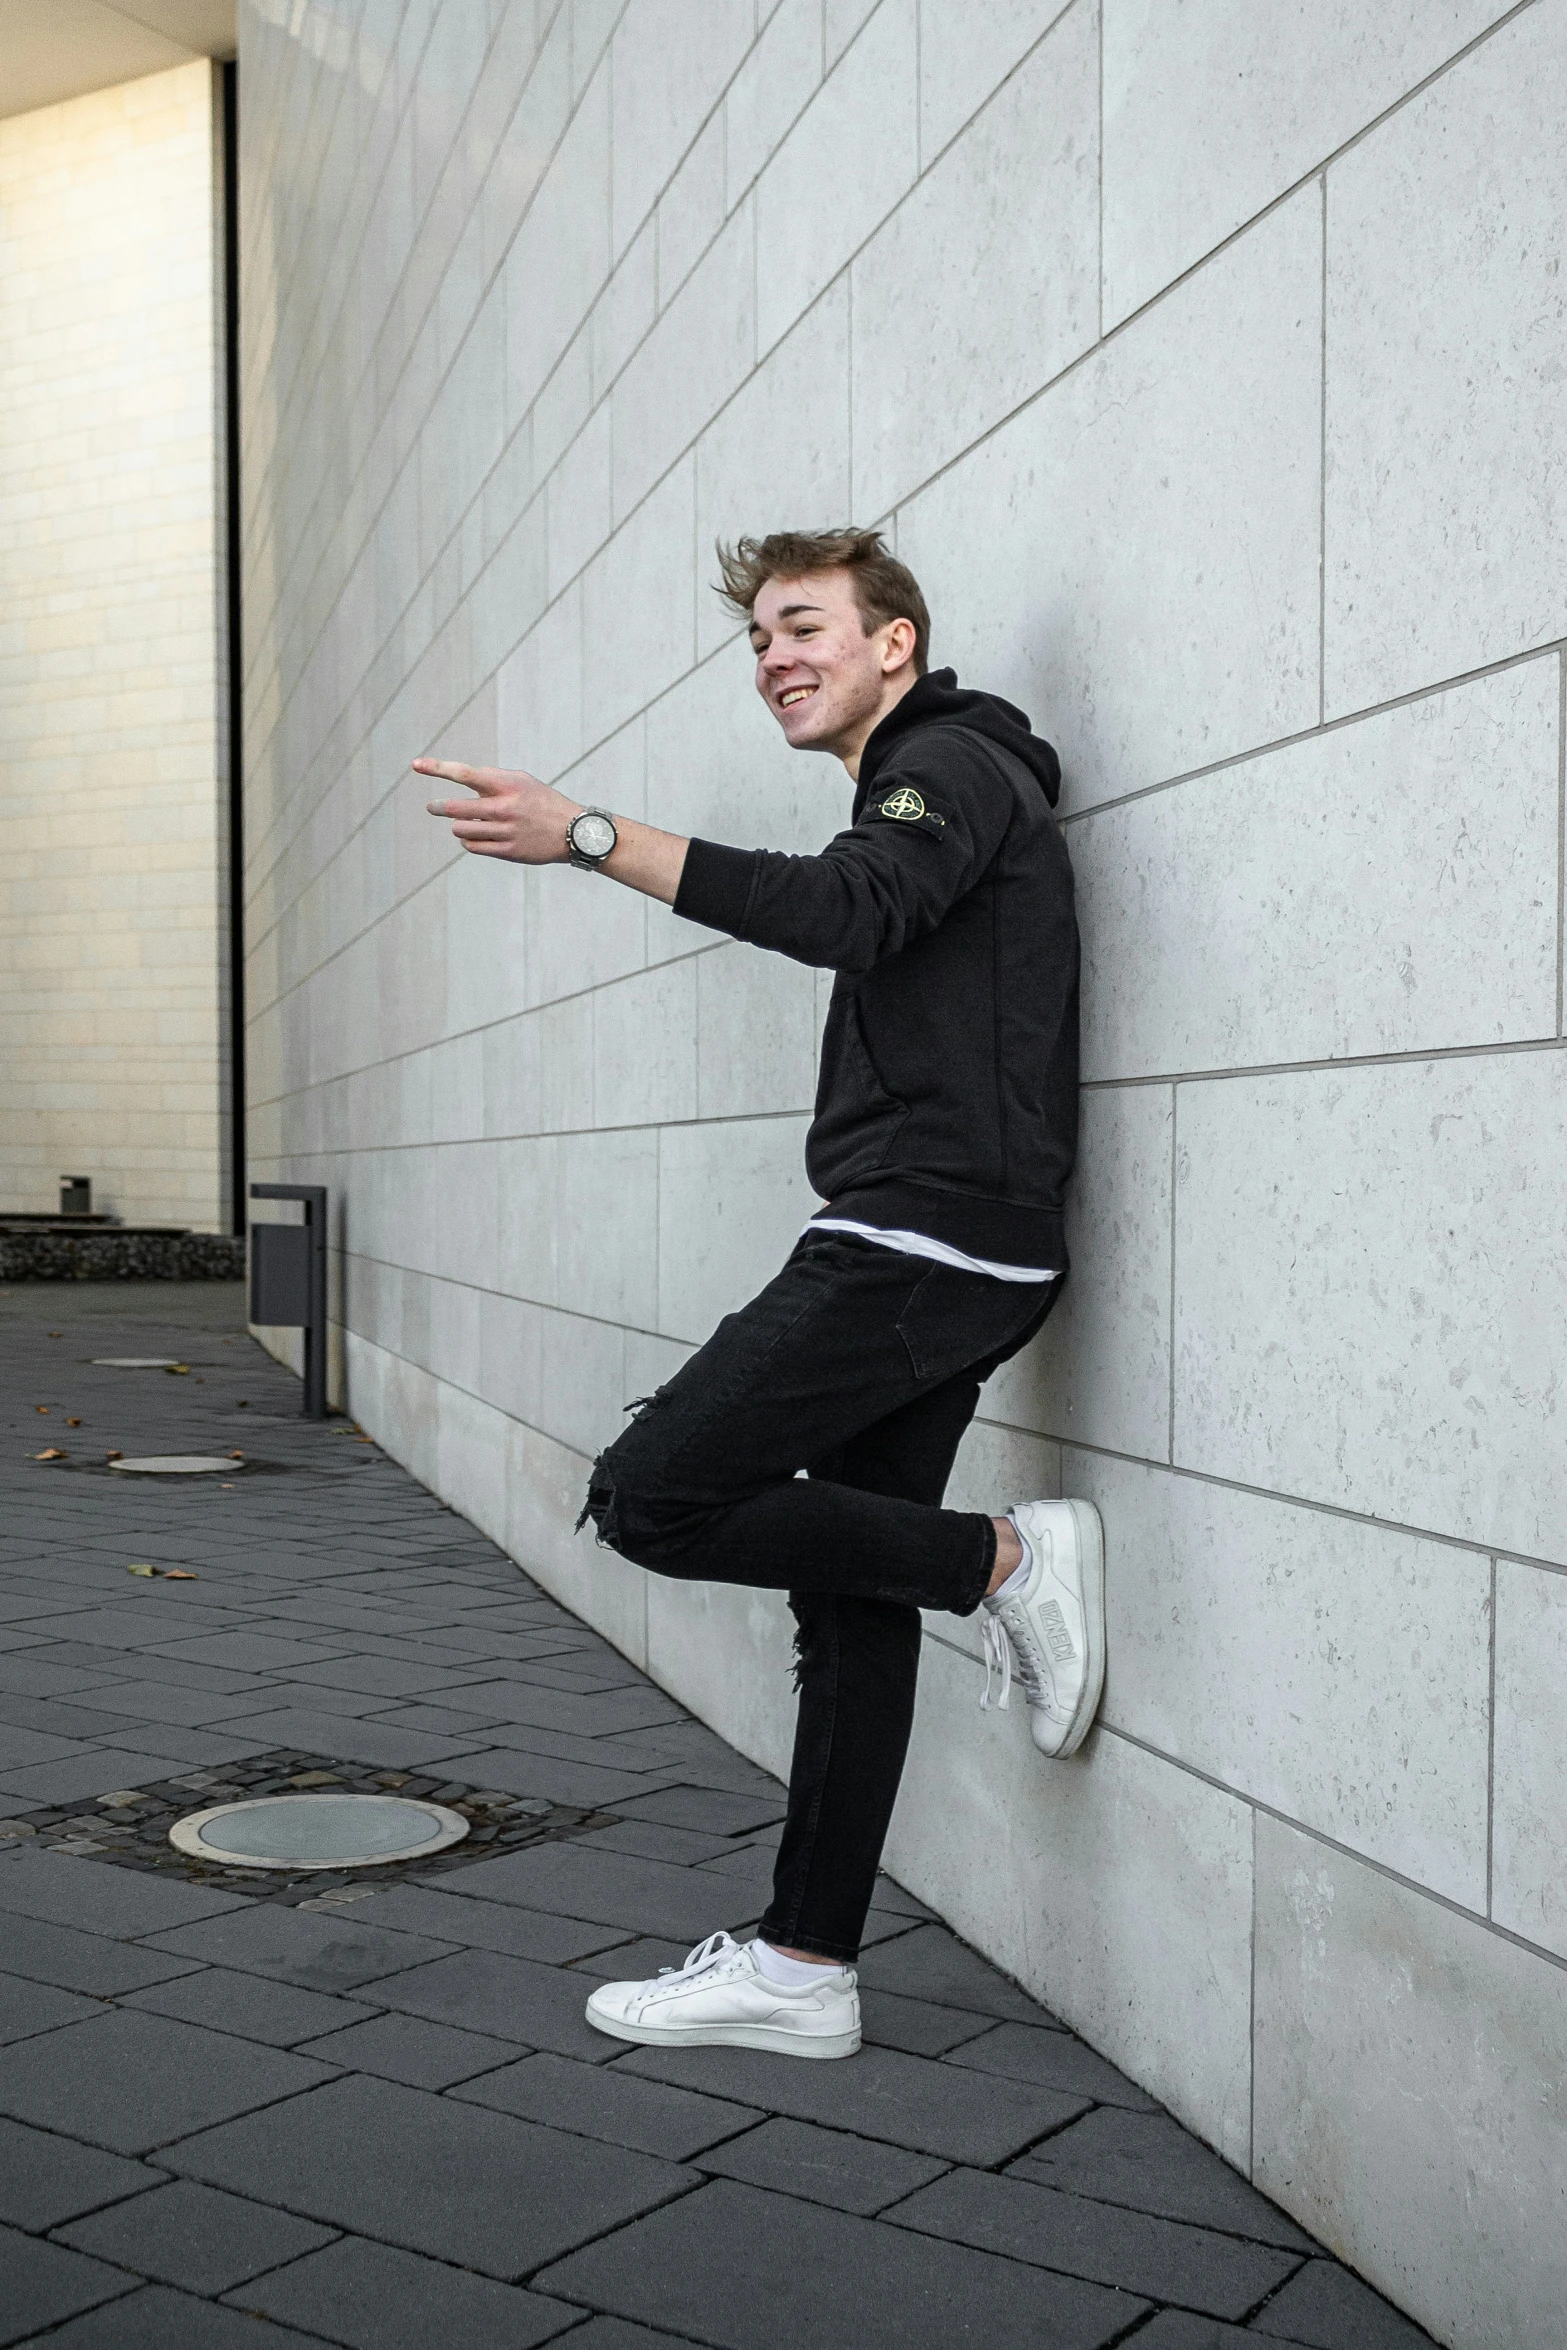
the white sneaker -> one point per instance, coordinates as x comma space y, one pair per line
1052, 1627
720, 1998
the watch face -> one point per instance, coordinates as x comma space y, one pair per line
593, 836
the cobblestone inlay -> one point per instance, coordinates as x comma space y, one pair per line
130, 1826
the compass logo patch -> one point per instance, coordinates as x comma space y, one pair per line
907, 806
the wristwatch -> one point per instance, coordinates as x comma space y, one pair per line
590, 838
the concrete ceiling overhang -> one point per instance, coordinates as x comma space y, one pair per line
54, 49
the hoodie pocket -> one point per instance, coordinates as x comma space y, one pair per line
857, 1117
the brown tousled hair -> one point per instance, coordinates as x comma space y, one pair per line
884, 588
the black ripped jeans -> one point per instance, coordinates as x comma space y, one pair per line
862, 1367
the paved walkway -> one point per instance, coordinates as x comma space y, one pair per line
238, 2112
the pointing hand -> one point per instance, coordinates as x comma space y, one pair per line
513, 815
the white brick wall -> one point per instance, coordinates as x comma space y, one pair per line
1211, 378
113, 811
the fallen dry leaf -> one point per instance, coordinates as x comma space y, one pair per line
73, 1423
141, 1570
176, 1370
51, 1452
180, 1575
42, 1407
236, 1456
114, 1456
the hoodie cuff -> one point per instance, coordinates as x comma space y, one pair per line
716, 885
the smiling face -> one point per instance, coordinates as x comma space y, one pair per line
826, 682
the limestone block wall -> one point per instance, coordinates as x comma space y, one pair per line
113, 792
1208, 365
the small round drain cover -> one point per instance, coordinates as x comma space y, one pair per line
177, 1464
318, 1831
135, 1362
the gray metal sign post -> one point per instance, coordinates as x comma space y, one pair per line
288, 1280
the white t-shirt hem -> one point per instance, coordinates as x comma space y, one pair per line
919, 1244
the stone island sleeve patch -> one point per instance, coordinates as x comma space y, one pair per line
904, 805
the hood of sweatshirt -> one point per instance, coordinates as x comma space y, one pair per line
938, 699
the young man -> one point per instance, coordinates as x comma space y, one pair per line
944, 1135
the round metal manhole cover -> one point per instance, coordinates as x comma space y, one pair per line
318, 1831
176, 1464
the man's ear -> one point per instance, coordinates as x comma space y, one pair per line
898, 647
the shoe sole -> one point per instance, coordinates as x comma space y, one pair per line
820, 2045
1091, 1554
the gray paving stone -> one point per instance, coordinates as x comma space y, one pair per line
158, 1701
247, 1651
305, 1946
513, 1998
296, 1697
252, 2007
45, 2178
823, 2280
647, 1840
344, 1737
608, 1888
1179, 2329
614, 2333
1056, 2060
1166, 2259
198, 1748
410, 2048
495, 1761
170, 1673
1327, 2308
441, 1721
486, 1925
931, 1963
1148, 2162
375, 2298
635, 1758
888, 2020
451, 2180
47, 2282
101, 1899
26, 2008
194, 2236
881, 2093
708, 1808
24, 1747
825, 2166
59, 1720
34, 1676
604, 2102
585, 1716
92, 1771
132, 2082
158, 2318
70, 1960
388, 1677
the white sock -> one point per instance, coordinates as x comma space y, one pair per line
1019, 1575
778, 1969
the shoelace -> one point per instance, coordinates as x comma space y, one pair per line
998, 1660
717, 1946
1009, 1640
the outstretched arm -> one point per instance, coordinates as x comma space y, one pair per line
515, 816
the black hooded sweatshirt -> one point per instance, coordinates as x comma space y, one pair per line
947, 1101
